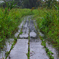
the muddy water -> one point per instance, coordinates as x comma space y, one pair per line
20, 50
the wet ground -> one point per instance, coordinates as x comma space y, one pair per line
20, 49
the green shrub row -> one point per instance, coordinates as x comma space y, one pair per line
48, 23
9, 21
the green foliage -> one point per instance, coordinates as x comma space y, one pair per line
51, 3
43, 43
49, 53
9, 4
48, 23
9, 21
7, 54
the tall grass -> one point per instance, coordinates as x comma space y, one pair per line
48, 23
9, 21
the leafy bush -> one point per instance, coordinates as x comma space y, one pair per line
48, 23
9, 20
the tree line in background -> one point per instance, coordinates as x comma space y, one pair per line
32, 3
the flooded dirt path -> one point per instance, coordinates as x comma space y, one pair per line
20, 50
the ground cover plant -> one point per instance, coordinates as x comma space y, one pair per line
9, 21
48, 23
43, 43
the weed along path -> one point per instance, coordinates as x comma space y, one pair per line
27, 44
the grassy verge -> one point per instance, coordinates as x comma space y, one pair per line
9, 21
48, 23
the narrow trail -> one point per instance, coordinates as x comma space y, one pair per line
20, 50
28, 44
